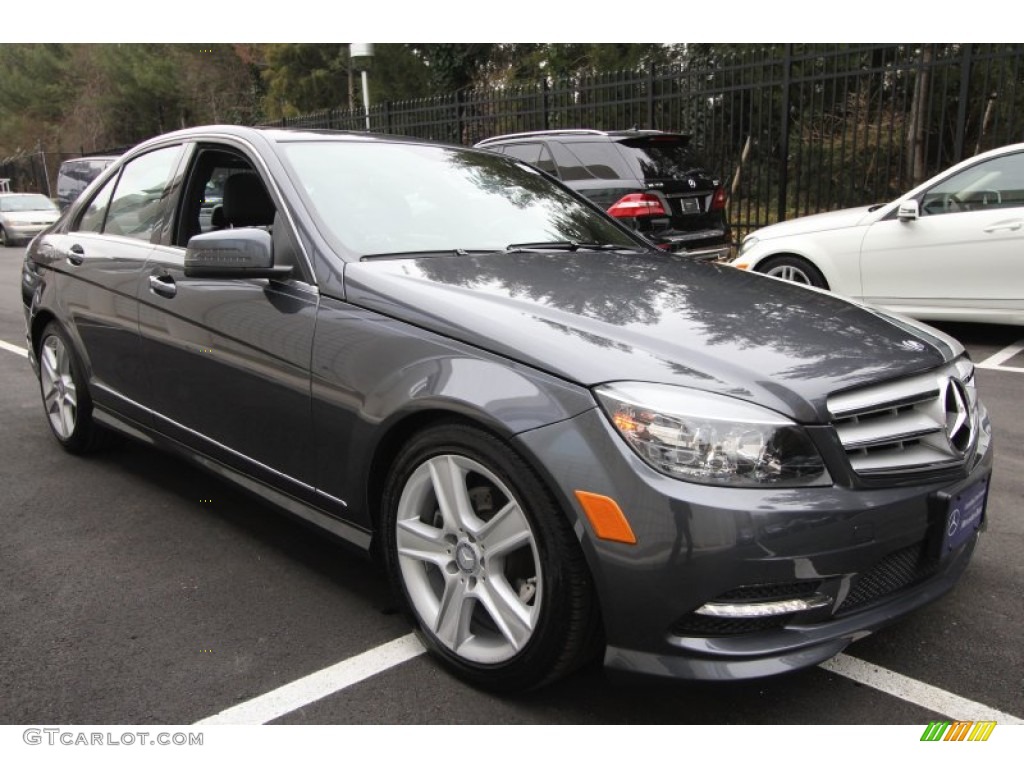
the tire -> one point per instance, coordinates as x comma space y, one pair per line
488, 566
4, 241
795, 269
66, 399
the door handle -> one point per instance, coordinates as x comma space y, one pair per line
1011, 226
163, 285
76, 255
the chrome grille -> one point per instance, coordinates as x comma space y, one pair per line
923, 422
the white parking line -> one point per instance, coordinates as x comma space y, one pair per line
12, 348
995, 362
923, 695
318, 685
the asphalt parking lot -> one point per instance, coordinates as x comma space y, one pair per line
138, 589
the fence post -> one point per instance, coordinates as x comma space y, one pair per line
961, 112
387, 117
458, 117
650, 95
46, 171
545, 122
787, 74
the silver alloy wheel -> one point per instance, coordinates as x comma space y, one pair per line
790, 272
60, 396
3, 238
468, 559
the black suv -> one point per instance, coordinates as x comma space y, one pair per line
650, 179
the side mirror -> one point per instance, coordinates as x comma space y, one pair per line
908, 211
230, 253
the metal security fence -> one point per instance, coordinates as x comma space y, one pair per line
792, 129
31, 172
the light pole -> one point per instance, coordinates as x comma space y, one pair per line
363, 51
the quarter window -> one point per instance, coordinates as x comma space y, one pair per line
93, 216
599, 159
535, 154
570, 168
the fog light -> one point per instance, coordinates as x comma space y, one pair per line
757, 610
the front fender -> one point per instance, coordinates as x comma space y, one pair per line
836, 254
375, 377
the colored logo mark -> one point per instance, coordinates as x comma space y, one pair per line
958, 730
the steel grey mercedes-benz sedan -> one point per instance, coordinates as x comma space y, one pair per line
561, 441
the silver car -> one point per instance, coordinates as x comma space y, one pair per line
23, 216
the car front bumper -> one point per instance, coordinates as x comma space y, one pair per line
868, 551
23, 232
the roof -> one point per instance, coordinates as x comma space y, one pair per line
632, 132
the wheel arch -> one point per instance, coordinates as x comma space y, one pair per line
405, 425
40, 320
823, 266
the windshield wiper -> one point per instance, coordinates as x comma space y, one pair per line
567, 245
417, 254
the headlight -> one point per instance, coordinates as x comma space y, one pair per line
748, 242
707, 438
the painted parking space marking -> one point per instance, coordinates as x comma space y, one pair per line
345, 674
318, 685
15, 349
996, 362
914, 691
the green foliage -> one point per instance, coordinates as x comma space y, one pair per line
454, 66
529, 62
303, 77
97, 96
308, 77
33, 89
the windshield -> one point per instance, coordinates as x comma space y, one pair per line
405, 198
662, 157
21, 203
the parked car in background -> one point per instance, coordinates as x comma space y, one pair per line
24, 215
950, 249
563, 443
653, 181
74, 176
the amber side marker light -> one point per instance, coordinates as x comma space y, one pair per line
606, 518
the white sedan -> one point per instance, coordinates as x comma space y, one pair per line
950, 249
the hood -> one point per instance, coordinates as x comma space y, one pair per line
31, 217
597, 317
848, 217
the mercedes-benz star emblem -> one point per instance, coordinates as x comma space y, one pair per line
958, 416
465, 557
954, 523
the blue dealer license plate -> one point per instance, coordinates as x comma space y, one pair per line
964, 516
